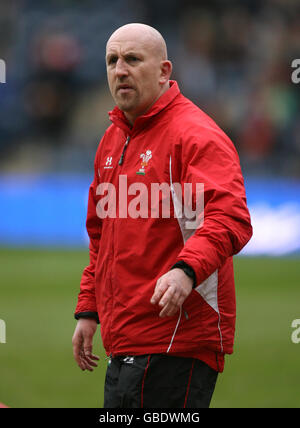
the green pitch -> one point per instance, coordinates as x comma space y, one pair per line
38, 295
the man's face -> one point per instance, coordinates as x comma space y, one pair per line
134, 75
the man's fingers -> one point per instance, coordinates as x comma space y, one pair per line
90, 359
87, 351
86, 362
89, 362
169, 310
160, 289
94, 357
168, 297
171, 296
77, 349
171, 291
87, 356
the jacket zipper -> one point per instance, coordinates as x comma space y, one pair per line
113, 248
124, 150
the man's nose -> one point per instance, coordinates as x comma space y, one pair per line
121, 68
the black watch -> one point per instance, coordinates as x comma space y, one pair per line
187, 269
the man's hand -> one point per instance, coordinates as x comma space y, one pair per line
171, 290
82, 342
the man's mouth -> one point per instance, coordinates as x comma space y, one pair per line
123, 88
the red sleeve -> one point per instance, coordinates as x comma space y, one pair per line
86, 298
226, 226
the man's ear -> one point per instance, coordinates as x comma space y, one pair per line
165, 71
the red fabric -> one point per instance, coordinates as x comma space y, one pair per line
189, 384
128, 255
143, 382
215, 360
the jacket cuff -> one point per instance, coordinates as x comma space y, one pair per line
93, 315
187, 269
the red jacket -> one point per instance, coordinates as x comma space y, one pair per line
174, 142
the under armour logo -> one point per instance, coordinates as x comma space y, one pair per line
128, 360
108, 162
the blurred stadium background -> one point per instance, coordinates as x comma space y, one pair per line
233, 59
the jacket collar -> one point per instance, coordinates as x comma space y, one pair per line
118, 118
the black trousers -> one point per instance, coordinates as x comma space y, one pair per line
158, 381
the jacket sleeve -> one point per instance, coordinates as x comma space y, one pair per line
225, 227
86, 305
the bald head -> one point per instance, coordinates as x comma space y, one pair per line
138, 68
144, 34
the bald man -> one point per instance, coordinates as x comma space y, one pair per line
166, 213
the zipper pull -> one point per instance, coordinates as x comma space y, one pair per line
123, 152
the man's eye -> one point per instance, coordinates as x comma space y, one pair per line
112, 60
132, 58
